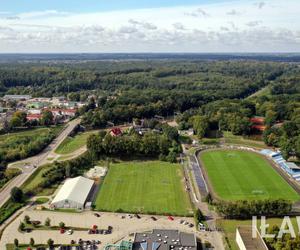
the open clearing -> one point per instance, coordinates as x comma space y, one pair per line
240, 175
240, 140
152, 187
71, 144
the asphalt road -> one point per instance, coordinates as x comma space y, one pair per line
30, 165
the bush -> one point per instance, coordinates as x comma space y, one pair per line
22, 226
8, 209
199, 217
61, 224
26, 219
47, 222
246, 209
17, 195
50, 242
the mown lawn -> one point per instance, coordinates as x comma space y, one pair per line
152, 187
241, 175
71, 144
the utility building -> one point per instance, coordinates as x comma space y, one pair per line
73, 193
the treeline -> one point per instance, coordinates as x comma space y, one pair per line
23, 147
224, 115
150, 144
287, 241
215, 79
246, 209
19, 120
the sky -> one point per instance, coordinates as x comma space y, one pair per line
70, 26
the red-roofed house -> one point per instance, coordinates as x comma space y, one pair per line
115, 132
258, 123
257, 120
69, 112
32, 117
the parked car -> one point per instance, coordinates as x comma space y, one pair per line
153, 218
62, 230
70, 231
97, 215
137, 216
170, 218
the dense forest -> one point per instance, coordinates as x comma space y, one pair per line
203, 94
206, 80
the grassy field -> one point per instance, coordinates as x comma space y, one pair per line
29, 132
238, 175
240, 140
71, 144
229, 227
15, 139
33, 182
152, 187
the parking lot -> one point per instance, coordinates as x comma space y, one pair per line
111, 227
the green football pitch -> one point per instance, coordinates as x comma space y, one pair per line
152, 187
241, 175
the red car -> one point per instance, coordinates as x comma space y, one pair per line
170, 218
62, 231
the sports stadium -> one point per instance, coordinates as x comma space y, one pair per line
235, 174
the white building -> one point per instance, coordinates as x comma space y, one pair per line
73, 193
246, 241
16, 97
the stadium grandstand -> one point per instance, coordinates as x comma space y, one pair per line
289, 167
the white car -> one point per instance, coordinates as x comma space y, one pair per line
70, 231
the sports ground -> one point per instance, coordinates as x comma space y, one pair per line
241, 175
152, 187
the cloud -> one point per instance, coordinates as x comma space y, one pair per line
253, 23
127, 29
224, 28
260, 5
179, 26
183, 28
233, 12
197, 13
142, 24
